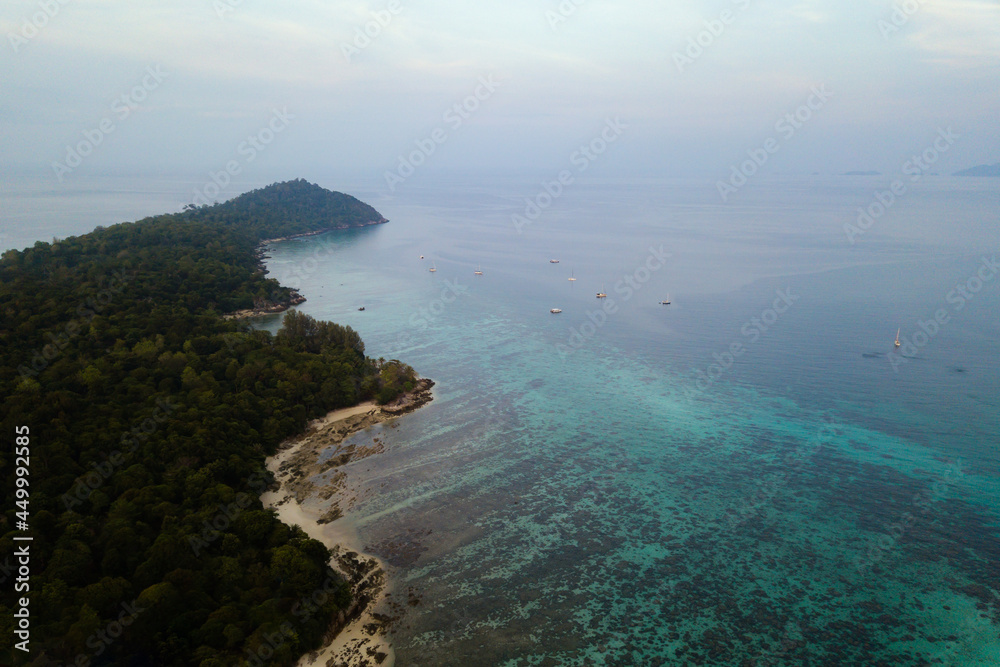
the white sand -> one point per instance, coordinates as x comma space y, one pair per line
343, 413
352, 643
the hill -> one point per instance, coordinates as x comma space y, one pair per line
147, 418
288, 209
983, 170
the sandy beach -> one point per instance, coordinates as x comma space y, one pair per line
314, 496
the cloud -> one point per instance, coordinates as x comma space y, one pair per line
605, 59
962, 33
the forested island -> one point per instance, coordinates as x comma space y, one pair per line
150, 419
981, 171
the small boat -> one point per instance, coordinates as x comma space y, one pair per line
602, 294
897, 337
553, 261
665, 302
572, 277
479, 270
556, 310
361, 308
433, 268
421, 257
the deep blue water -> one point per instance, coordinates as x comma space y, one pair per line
818, 502
582, 495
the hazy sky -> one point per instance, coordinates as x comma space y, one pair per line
561, 70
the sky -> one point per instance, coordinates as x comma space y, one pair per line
297, 88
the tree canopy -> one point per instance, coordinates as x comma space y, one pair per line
150, 419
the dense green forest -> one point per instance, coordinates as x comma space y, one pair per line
150, 418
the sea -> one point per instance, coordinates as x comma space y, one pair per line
751, 475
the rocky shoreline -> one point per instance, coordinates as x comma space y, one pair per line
356, 638
302, 464
272, 307
320, 231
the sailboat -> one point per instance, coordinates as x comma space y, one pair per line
665, 302
433, 268
479, 270
572, 277
897, 337
601, 294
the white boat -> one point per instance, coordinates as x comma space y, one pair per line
897, 337
602, 294
433, 268
556, 310
553, 261
479, 270
572, 276
665, 302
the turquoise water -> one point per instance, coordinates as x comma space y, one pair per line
585, 496
593, 499
38, 208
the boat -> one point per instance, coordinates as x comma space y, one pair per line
897, 337
572, 277
556, 310
479, 270
665, 302
553, 261
361, 308
433, 268
421, 257
602, 294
